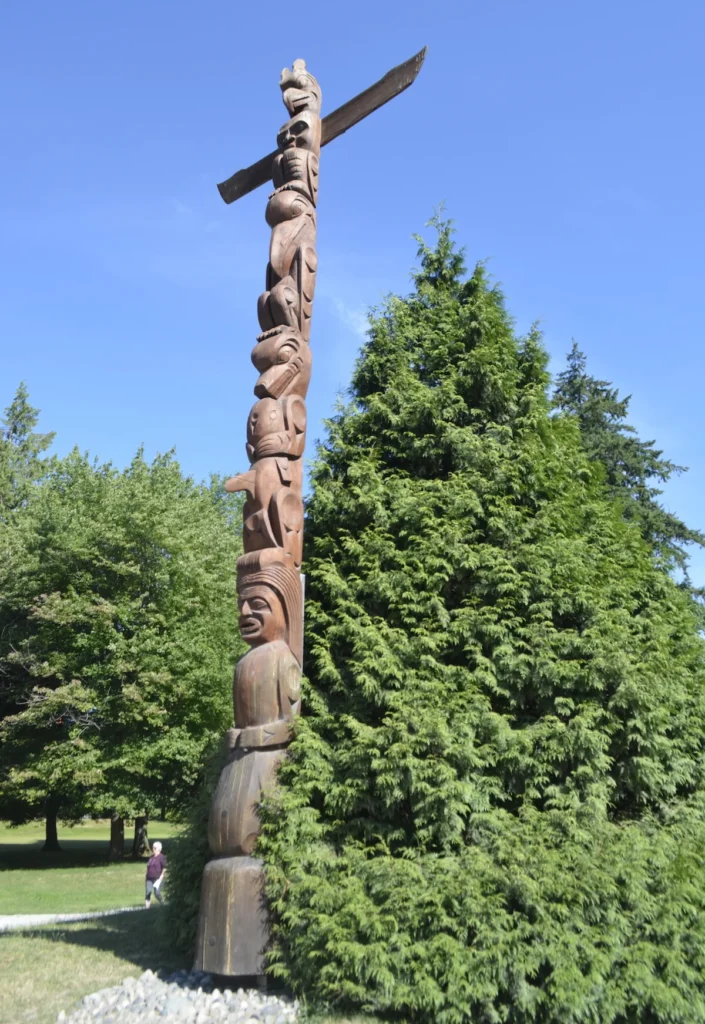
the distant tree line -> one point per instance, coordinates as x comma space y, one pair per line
117, 632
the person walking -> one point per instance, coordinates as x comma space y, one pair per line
156, 869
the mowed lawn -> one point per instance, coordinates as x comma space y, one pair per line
45, 970
78, 879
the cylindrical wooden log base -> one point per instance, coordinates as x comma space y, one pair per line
232, 929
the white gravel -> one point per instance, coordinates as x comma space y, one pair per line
186, 997
11, 922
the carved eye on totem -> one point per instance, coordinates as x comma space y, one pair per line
275, 350
290, 133
266, 417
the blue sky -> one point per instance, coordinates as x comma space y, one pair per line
564, 137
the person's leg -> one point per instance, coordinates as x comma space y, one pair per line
148, 893
158, 893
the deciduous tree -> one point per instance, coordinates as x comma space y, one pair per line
21, 451
120, 605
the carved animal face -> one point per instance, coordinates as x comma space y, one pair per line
284, 362
261, 615
297, 133
300, 90
266, 417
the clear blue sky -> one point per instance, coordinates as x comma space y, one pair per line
565, 138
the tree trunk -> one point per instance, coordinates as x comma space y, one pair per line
140, 844
51, 841
117, 837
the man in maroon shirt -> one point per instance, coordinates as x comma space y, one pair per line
156, 869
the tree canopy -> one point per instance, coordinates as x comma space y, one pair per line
493, 808
633, 468
21, 449
118, 610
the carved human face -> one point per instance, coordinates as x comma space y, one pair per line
296, 133
261, 615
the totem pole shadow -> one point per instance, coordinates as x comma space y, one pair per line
135, 937
140, 939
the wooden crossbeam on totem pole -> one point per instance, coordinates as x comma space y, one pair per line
233, 928
333, 125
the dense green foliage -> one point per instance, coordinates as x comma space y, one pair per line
188, 854
493, 810
23, 463
632, 467
21, 450
117, 606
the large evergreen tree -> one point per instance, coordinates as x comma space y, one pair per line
493, 808
633, 468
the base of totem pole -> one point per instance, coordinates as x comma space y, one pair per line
232, 929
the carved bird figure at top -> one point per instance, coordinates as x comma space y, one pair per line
300, 90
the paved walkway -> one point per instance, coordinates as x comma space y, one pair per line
11, 922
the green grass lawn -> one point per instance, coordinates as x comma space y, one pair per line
44, 970
80, 878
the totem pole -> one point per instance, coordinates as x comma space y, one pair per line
232, 930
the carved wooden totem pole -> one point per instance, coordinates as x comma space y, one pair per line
266, 690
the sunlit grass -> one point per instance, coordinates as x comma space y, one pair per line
78, 879
45, 970
48, 969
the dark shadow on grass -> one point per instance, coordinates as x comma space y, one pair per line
136, 937
75, 853
140, 939
29, 859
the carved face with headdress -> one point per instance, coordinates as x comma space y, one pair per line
300, 90
269, 597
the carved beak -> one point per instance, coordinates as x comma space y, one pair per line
299, 100
273, 382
